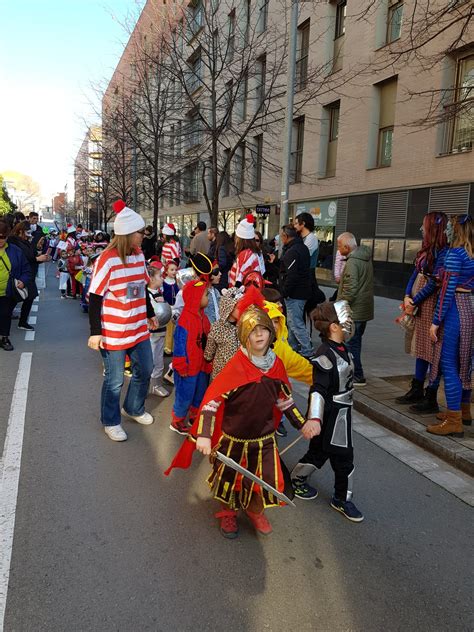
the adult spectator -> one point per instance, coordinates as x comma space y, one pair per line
212, 236
118, 313
246, 252
149, 242
295, 287
13, 268
357, 288
19, 238
304, 225
225, 257
200, 242
36, 230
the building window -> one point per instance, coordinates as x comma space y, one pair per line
191, 183
459, 115
261, 76
195, 72
171, 192
262, 18
226, 179
302, 56
394, 21
339, 32
177, 188
296, 156
241, 100
257, 159
333, 111
388, 97
194, 130
229, 103
341, 9
238, 170
196, 19
231, 40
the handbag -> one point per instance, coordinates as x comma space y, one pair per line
19, 294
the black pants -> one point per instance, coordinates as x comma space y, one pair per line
6, 310
25, 311
342, 464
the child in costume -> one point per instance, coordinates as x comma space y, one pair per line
157, 336
212, 309
223, 342
74, 265
63, 273
330, 404
238, 417
191, 370
170, 291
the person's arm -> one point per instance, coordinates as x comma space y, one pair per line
290, 276
446, 296
24, 274
211, 346
339, 265
95, 311
180, 354
348, 286
286, 404
296, 366
207, 421
432, 284
411, 282
150, 312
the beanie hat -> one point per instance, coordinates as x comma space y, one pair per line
127, 221
156, 264
169, 229
245, 228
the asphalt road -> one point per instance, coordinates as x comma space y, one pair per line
104, 542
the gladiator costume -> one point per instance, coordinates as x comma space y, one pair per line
240, 413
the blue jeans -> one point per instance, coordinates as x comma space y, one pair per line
355, 347
134, 403
298, 335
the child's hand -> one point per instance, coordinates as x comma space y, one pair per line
312, 428
153, 323
95, 342
203, 445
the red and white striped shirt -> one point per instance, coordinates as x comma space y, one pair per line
171, 250
124, 320
246, 261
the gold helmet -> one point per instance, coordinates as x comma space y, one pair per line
250, 318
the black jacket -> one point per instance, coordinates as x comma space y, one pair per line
148, 246
295, 279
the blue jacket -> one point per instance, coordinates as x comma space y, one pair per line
20, 268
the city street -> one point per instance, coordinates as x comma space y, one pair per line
103, 541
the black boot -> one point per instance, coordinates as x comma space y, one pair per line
6, 344
428, 404
415, 394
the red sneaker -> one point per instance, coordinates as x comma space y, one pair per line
229, 526
260, 522
180, 427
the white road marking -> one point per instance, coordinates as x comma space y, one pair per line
30, 335
32, 320
10, 475
34, 308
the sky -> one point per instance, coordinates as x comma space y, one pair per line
51, 53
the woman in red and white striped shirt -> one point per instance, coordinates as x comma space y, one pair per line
120, 319
246, 252
171, 248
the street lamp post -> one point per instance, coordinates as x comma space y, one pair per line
290, 93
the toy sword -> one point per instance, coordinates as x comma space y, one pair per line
253, 477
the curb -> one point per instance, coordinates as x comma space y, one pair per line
443, 447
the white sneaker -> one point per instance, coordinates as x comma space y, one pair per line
160, 391
169, 376
116, 433
146, 419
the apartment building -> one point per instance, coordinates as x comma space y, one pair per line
379, 137
87, 174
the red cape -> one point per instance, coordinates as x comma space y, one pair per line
237, 372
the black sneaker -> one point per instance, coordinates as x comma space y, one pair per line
6, 344
25, 326
281, 430
303, 490
347, 508
360, 382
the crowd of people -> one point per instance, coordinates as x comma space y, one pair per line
235, 315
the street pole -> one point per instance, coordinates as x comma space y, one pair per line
290, 93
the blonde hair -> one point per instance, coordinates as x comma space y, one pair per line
123, 245
463, 234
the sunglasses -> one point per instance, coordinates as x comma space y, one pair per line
215, 272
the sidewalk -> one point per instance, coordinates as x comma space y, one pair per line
389, 371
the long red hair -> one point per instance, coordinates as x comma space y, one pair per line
434, 240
